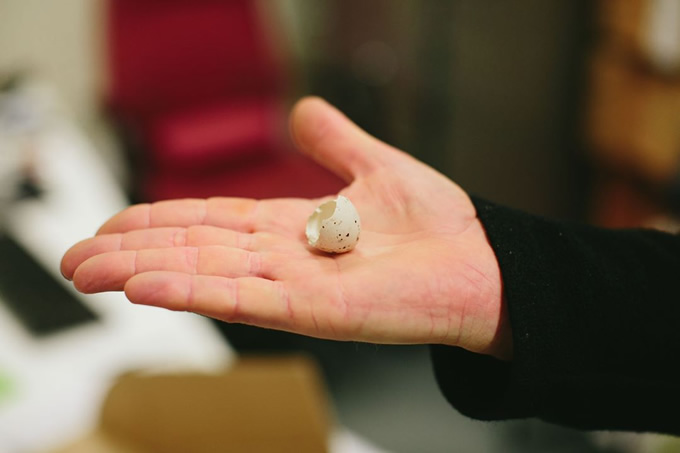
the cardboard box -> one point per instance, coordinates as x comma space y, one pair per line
273, 404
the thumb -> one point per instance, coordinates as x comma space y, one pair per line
330, 138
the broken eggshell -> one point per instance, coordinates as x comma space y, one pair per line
334, 226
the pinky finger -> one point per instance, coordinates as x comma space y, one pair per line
247, 300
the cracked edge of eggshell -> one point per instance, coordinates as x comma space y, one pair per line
337, 233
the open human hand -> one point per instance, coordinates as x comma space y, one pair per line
423, 271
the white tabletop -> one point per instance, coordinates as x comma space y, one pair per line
54, 386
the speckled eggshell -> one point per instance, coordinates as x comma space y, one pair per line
334, 226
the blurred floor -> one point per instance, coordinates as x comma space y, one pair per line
388, 395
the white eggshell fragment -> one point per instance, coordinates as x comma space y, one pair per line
334, 226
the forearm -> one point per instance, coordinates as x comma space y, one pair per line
594, 316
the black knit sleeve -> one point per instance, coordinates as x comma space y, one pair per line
595, 316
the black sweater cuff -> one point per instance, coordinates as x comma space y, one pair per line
595, 316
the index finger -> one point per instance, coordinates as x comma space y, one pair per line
237, 214
282, 216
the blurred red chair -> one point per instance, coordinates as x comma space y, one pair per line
196, 85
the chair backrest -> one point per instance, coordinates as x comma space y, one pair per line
170, 54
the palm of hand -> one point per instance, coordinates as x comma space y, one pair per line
422, 272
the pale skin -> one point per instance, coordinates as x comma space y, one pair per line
422, 272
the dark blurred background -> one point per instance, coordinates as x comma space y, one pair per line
567, 108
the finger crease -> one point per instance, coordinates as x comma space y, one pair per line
180, 238
254, 264
193, 257
203, 216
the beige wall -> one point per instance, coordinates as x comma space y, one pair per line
58, 40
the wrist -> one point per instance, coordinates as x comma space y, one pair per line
485, 324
